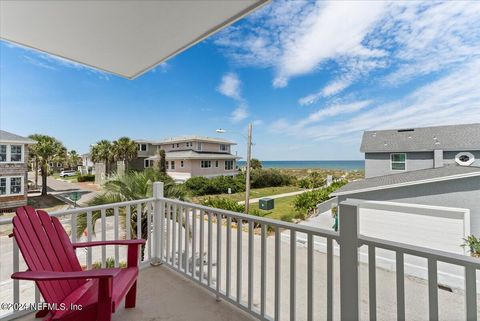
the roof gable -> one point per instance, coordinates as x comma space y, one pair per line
7, 137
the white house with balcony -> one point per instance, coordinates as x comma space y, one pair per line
188, 156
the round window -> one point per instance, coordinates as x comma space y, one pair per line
464, 158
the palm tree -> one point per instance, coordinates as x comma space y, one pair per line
47, 149
162, 167
131, 186
124, 149
73, 159
102, 152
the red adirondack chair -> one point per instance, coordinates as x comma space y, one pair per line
53, 265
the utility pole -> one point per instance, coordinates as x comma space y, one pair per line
247, 180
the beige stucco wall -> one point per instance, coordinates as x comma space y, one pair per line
193, 167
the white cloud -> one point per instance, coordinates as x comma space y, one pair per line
239, 114
452, 99
296, 38
331, 89
230, 86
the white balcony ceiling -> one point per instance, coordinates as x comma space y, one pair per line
126, 38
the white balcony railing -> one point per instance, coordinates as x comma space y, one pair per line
243, 260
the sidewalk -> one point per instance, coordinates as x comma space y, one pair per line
256, 200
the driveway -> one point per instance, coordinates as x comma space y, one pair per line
62, 189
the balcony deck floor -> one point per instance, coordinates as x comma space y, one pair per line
163, 294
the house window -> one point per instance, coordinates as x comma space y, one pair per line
146, 163
181, 163
199, 146
206, 164
223, 148
3, 153
216, 163
173, 164
16, 153
3, 185
189, 144
142, 147
178, 145
166, 165
229, 164
398, 161
173, 145
15, 185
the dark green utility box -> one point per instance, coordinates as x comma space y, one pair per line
267, 204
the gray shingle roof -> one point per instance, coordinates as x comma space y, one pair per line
180, 139
190, 154
453, 137
7, 137
408, 178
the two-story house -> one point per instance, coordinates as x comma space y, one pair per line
13, 170
188, 156
431, 167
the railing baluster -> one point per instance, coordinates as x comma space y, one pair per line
471, 293
277, 273
116, 227
432, 290
128, 222
150, 237
168, 214
293, 285
73, 226
263, 270
187, 240
194, 242
103, 218
180, 238
372, 283
229, 256
89, 239
329, 279
139, 221
310, 277
209, 249
250, 264
16, 267
174, 236
239, 260
201, 247
400, 286
219, 255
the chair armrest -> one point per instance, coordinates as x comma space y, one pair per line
53, 275
112, 242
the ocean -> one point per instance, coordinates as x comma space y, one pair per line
325, 164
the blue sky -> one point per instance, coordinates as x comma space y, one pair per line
311, 76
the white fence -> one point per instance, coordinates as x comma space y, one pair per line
242, 259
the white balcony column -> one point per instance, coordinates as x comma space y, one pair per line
158, 223
349, 231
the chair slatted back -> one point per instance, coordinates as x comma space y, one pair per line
46, 246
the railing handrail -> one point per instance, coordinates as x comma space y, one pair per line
443, 256
267, 221
77, 210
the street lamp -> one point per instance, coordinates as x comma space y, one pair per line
249, 156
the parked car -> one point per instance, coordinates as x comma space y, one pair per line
68, 173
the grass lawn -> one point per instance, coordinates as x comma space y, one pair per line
254, 193
283, 210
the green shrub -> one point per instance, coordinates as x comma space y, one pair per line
314, 180
199, 185
224, 203
86, 178
109, 263
269, 178
308, 201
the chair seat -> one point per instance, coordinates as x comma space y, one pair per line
86, 295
